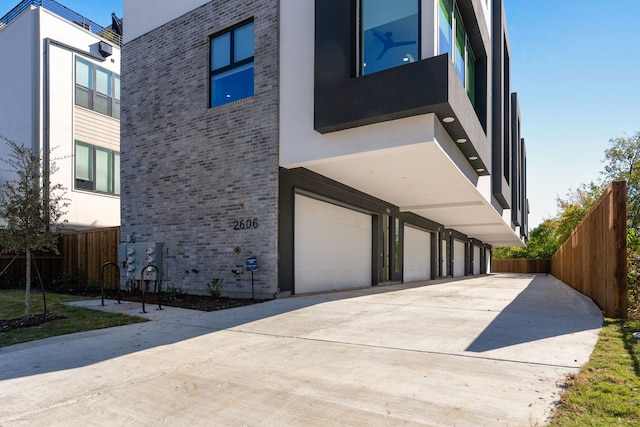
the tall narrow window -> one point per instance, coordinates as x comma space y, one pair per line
84, 83
471, 76
116, 173
445, 26
460, 48
389, 34
84, 166
232, 65
103, 91
104, 171
454, 41
116, 97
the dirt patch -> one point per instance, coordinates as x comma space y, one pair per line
35, 320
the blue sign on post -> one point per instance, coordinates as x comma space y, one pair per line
251, 263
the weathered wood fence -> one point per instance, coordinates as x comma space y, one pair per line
82, 254
538, 266
594, 259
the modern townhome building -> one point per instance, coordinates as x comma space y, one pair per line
295, 146
60, 94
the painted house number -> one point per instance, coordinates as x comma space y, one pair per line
245, 224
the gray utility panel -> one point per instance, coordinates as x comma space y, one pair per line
138, 257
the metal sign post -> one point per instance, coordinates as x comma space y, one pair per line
251, 264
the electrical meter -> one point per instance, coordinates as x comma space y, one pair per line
146, 254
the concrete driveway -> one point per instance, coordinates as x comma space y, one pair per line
483, 351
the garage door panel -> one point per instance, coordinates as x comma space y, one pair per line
459, 251
476, 260
417, 255
332, 246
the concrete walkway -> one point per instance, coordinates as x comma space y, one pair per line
484, 351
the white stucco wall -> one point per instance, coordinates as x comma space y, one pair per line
25, 78
299, 142
18, 118
142, 16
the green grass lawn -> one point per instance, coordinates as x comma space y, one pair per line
606, 391
75, 319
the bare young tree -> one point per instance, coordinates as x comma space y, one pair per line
30, 207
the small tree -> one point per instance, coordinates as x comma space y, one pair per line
30, 207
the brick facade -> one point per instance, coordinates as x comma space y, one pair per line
192, 174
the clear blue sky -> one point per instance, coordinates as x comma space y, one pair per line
576, 67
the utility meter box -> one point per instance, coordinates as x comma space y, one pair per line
137, 257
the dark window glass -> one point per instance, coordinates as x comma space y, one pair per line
232, 57
389, 34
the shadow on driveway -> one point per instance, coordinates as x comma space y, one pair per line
546, 308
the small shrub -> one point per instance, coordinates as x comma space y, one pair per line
175, 293
214, 287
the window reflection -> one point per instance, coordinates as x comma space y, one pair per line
389, 34
232, 68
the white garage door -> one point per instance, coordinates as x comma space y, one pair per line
458, 258
332, 247
476, 260
417, 255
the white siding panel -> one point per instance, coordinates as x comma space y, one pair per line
97, 129
417, 255
332, 247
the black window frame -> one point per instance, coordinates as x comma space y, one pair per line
232, 63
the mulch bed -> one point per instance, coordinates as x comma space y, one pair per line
192, 302
34, 320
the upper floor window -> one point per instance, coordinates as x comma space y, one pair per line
97, 89
389, 34
453, 40
232, 65
97, 169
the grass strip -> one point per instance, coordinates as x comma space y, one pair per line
606, 391
72, 319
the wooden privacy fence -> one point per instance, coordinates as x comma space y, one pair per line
537, 266
594, 259
84, 253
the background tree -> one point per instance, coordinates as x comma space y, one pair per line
546, 239
574, 208
30, 208
622, 162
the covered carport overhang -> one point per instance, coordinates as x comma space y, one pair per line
431, 179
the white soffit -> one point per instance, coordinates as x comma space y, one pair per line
421, 178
